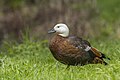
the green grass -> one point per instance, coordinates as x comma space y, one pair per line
33, 61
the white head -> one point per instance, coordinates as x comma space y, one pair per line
61, 29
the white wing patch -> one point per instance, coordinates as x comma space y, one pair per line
87, 48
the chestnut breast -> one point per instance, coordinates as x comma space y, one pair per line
66, 50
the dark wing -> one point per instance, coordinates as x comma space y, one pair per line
95, 51
85, 45
79, 42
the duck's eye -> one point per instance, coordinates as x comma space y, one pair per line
58, 26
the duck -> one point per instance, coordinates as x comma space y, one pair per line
73, 50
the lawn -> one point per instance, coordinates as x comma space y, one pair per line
33, 61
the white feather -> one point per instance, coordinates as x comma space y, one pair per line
87, 48
63, 30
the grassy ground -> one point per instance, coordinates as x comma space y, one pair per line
33, 61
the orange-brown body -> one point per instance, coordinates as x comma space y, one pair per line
69, 50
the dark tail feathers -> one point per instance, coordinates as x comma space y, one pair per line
104, 56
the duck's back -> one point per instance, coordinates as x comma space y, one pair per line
69, 50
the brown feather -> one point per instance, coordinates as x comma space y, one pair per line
70, 51
96, 52
66, 53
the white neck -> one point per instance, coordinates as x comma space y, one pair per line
66, 34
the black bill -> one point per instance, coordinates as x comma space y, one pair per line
51, 31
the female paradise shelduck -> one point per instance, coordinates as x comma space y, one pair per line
72, 50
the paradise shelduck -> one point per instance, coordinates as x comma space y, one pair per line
72, 50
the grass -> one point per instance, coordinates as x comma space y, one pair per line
33, 61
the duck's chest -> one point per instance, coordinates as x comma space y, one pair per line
58, 45
65, 52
